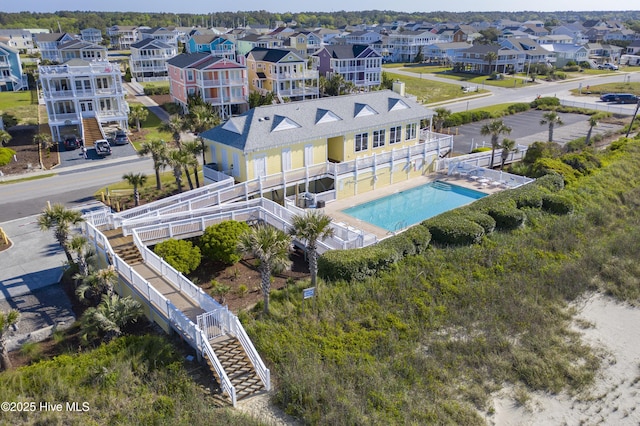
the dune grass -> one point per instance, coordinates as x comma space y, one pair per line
18, 104
427, 342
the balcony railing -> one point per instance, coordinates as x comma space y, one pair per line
296, 75
225, 100
221, 82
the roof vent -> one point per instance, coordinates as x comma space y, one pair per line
261, 119
267, 118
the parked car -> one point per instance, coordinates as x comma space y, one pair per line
102, 147
609, 97
71, 142
608, 66
120, 138
626, 98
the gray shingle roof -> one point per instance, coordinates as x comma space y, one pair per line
282, 125
271, 55
150, 42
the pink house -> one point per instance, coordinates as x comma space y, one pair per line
218, 81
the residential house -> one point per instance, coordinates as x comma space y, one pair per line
477, 59
318, 135
356, 63
92, 35
600, 52
218, 81
122, 36
11, 76
404, 46
619, 35
80, 94
281, 72
80, 49
148, 60
565, 53
304, 43
633, 48
574, 30
166, 35
533, 52
20, 40
555, 39
251, 41
48, 44
362, 37
444, 52
326, 34
216, 45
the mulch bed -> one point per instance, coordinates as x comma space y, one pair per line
27, 152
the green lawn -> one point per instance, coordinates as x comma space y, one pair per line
621, 87
18, 104
151, 127
155, 84
429, 91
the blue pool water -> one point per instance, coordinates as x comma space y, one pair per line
406, 208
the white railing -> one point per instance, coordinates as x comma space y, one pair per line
225, 383
483, 159
251, 352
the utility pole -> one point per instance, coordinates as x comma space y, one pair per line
633, 118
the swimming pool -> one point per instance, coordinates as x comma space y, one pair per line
406, 208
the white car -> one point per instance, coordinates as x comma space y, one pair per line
608, 66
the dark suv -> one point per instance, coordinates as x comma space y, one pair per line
120, 138
626, 98
72, 142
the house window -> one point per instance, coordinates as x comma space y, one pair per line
189, 75
395, 134
378, 138
410, 132
362, 142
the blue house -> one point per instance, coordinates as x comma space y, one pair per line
217, 45
11, 77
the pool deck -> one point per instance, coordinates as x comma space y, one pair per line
334, 209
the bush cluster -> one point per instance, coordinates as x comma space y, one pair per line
557, 204
181, 254
156, 90
465, 117
355, 264
518, 107
6, 155
454, 229
547, 101
220, 241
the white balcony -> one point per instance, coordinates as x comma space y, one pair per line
307, 74
225, 100
223, 82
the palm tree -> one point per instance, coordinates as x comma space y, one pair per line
494, 128
491, 57
508, 146
441, 116
5, 137
193, 149
271, 247
312, 227
110, 316
136, 180
60, 219
97, 283
175, 126
43, 140
138, 113
158, 151
593, 122
7, 320
552, 118
179, 161
201, 117
83, 250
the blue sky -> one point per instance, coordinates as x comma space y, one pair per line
201, 6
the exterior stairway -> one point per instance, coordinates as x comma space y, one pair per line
236, 364
124, 246
91, 131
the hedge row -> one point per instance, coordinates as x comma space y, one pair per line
463, 226
156, 90
466, 117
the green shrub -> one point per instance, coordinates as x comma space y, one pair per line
557, 204
519, 107
531, 199
419, 236
220, 241
507, 217
355, 264
400, 245
6, 155
481, 149
171, 107
548, 101
548, 165
552, 181
487, 222
156, 90
539, 150
584, 162
454, 229
181, 254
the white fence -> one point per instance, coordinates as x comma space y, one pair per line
614, 109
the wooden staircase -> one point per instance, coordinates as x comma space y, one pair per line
91, 131
236, 364
123, 246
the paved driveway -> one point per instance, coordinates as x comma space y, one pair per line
526, 129
75, 158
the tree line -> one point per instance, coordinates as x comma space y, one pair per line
74, 21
